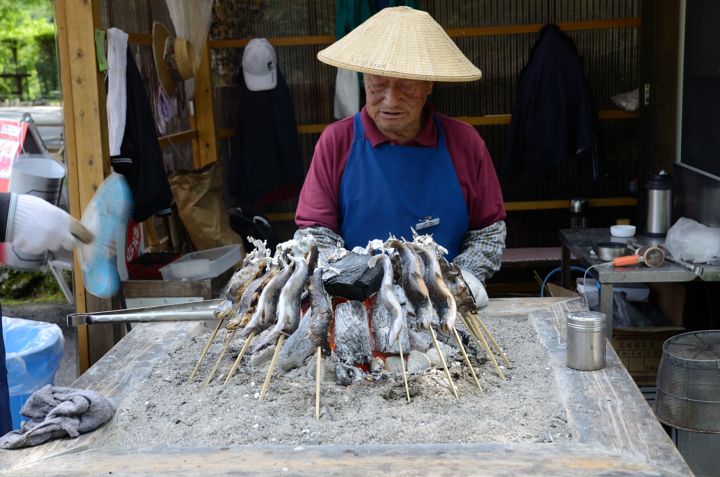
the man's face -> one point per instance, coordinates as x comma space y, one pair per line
396, 105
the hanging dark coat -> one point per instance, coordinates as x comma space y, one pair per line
265, 164
140, 159
553, 116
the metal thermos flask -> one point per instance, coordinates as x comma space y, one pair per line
578, 213
586, 340
659, 204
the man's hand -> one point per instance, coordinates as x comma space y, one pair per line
476, 288
40, 226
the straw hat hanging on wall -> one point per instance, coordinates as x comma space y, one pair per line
174, 58
401, 42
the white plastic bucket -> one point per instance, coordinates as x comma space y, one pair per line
42, 177
38, 176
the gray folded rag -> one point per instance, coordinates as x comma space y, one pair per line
56, 412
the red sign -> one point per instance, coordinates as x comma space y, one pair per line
12, 137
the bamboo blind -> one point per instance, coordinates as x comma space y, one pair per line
497, 35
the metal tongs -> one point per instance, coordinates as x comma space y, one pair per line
194, 311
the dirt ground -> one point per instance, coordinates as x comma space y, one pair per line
170, 411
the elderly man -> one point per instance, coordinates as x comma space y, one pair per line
398, 164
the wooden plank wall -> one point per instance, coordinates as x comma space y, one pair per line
497, 35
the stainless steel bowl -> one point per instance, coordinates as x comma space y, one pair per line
606, 251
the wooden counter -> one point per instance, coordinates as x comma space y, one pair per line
614, 431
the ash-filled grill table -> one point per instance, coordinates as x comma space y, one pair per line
613, 430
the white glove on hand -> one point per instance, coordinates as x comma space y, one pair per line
39, 226
476, 288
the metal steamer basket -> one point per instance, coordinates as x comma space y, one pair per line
688, 382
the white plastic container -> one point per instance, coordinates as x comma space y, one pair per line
41, 176
203, 264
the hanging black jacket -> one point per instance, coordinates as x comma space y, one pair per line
140, 159
265, 164
553, 116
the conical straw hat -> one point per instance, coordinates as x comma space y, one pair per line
174, 58
401, 42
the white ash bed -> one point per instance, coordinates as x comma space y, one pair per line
605, 427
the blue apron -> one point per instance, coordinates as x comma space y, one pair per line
391, 188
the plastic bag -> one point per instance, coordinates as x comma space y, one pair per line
198, 195
629, 101
34, 350
693, 242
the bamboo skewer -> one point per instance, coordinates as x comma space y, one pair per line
317, 382
244, 349
279, 344
481, 339
402, 364
228, 339
205, 350
442, 358
492, 340
467, 359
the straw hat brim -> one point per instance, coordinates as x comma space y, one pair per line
401, 42
159, 35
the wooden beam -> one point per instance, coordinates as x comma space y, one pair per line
520, 206
535, 27
71, 164
204, 113
452, 32
177, 138
140, 38
517, 206
276, 41
86, 143
489, 120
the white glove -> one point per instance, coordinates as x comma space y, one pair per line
39, 226
476, 288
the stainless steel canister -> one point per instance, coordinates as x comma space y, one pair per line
586, 340
578, 213
659, 204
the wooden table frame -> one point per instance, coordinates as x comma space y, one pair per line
614, 431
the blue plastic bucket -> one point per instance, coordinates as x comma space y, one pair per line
33, 350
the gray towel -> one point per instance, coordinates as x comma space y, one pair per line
56, 412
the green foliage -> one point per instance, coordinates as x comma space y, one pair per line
35, 286
27, 45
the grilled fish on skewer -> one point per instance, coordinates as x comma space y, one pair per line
313, 330
456, 284
321, 312
266, 310
413, 283
237, 285
388, 297
249, 299
288, 304
440, 296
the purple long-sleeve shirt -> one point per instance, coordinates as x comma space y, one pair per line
319, 198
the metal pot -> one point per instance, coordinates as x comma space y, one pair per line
606, 251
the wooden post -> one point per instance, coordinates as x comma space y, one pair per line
204, 113
86, 140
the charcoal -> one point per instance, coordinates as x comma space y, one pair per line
420, 340
346, 374
356, 281
352, 335
297, 347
